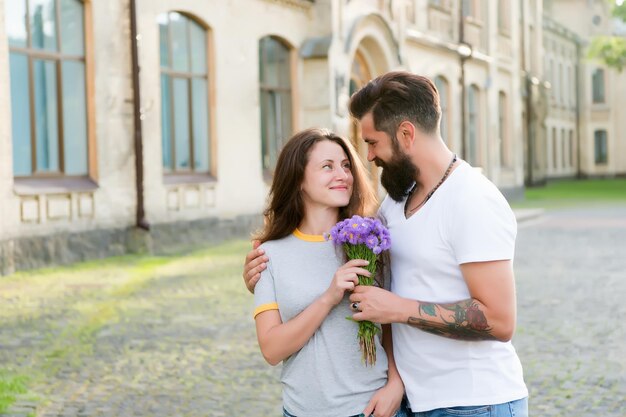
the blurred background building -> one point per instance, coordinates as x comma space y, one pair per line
131, 125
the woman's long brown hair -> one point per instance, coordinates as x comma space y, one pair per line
285, 210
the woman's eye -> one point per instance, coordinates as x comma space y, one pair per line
327, 166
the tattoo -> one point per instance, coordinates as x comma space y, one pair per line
462, 321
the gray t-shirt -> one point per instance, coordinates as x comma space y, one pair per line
326, 378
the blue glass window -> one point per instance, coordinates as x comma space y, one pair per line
601, 147
185, 120
48, 87
276, 100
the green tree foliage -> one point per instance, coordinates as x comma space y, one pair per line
611, 49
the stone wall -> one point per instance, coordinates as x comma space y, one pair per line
167, 238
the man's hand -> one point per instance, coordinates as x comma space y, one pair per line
378, 305
256, 262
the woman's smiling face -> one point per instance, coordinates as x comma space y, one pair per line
327, 176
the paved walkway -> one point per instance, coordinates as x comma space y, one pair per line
176, 337
571, 281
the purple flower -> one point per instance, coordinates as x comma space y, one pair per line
359, 230
371, 241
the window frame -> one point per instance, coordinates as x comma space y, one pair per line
601, 143
268, 171
172, 173
598, 95
503, 130
32, 54
504, 17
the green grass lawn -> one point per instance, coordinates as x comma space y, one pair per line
572, 192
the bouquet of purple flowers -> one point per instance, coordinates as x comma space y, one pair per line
363, 238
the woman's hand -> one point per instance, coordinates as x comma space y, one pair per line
346, 278
386, 402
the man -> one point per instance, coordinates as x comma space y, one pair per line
452, 300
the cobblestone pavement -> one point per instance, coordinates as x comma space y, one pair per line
571, 286
175, 337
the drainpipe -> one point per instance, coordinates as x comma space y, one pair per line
579, 173
141, 221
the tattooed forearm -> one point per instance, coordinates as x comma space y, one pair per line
463, 320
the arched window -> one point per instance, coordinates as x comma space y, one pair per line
48, 87
503, 136
473, 103
601, 147
184, 95
276, 98
442, 86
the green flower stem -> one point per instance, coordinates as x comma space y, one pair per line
367, 329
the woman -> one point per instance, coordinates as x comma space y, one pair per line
301, 301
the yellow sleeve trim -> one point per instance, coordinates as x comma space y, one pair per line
265, 307
309, 238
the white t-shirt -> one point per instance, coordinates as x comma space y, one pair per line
466, 220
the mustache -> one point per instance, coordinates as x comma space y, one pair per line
379, 163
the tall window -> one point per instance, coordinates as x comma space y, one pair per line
555, 147
442, 86
571, 148
566, 88
468, 8
572, 88
553, 81
601, 147
503, 16
561, 85
48, 88
597, 84
503, 130
276, 99
564, 143
473, 100
184, 95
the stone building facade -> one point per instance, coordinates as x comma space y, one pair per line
585, 124
105, 151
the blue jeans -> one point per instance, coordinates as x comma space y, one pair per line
518, 408
399, 413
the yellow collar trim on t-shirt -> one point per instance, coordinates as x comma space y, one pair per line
309, 238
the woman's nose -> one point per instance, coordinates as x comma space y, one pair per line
342, 173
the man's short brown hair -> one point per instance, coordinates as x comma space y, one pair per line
395, 97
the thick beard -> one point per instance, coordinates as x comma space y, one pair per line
398, 175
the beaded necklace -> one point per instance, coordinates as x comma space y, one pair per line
408, 212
